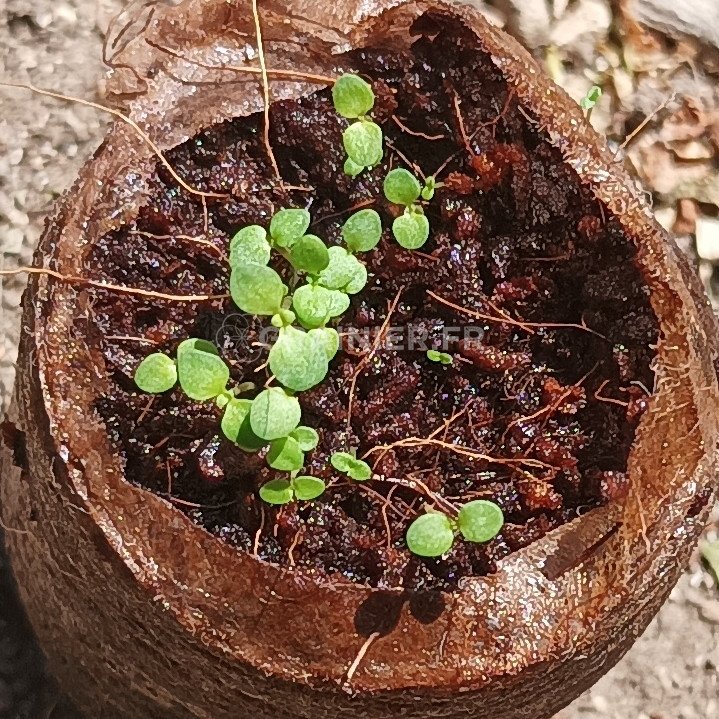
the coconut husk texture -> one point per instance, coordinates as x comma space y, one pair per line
145, 615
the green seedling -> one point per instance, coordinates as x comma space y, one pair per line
284, 491
433, 534
348, 464
590, 100
363, 140
440, 357
411, 229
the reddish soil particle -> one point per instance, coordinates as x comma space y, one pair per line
514, 234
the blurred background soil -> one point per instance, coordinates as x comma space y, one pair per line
658, 64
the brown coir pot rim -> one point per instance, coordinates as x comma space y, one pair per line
145, 614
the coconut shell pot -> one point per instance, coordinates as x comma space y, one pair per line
144, 614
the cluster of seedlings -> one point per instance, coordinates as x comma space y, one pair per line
496, 333
321, 281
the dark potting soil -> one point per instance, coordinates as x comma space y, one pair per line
538, 414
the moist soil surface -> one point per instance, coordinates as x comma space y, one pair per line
526, 280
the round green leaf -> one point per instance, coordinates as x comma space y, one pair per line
328, 338
352, 96
202, 374
351, 168
309, 254
363, 143
411, 230
480, 520
237, 428
342, 461
314, 304
277, 491
308, 488
285, 455
298, 360
401, 187
256, 289
250, 245
156, 373
360, 471
430, 535
344, 272
274, 414
289, 225
306, 437
362, 231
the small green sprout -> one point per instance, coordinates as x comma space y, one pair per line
352, 96
202, 373
156, 373
274, 414
362, 231
353, 99
284, 491
433, 534
590, 100
411, 229
441, 357
430, 185
348, 464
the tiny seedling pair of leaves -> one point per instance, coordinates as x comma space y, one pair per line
300, 360
433, 534
251, 244
439, 357
201, 372
348, 464
284, 491
353, 98
410, 229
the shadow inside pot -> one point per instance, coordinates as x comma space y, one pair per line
380, 613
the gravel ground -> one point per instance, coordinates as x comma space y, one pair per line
673, 670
